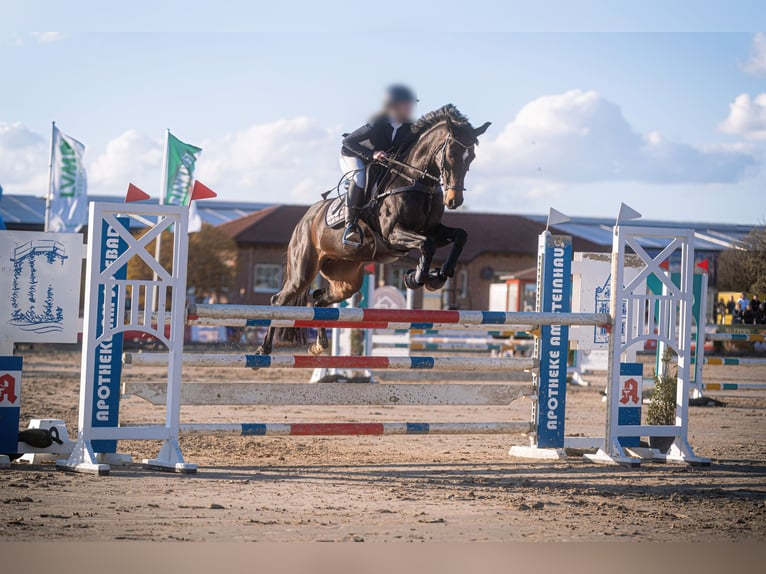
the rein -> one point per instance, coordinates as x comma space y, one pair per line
423, 172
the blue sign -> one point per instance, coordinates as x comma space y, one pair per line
629, 402
108, 359
555, 297
10, 403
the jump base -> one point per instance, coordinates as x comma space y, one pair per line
604, 458
535, 453
180, 468
83, 467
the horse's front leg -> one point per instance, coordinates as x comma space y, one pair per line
412, 240
443, 236
458, 238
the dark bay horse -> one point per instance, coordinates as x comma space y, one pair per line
405, 214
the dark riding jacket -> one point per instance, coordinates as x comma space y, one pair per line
374, 136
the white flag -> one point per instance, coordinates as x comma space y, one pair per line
195, 221
68, 193
555, 217
627, 213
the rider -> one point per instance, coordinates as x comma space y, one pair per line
384, 135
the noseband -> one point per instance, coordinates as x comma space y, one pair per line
443, 150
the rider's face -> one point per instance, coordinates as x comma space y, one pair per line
402, 111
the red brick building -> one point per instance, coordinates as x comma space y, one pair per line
498, 244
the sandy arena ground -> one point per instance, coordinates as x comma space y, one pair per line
436, 488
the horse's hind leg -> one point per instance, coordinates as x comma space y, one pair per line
300, 270
322, 343
345, 279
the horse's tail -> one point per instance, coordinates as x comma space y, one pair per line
294, 334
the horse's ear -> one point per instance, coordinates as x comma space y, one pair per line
481, 129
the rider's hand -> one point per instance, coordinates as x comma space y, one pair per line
379, 155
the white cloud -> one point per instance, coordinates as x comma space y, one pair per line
756, 64
747, 117
129, 158
24, 157
47, 37
286, 160
555, 145
580, 136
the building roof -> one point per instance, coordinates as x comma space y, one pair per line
487, 232
505, 233
27, 212
707, 236
272, 225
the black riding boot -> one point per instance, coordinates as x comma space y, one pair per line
352, 235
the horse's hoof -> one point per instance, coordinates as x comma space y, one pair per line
435, 280
316, 349
410, 281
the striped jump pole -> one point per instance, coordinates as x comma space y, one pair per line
734, 386
744, 337
342, 362
732, 361
456, 347
401, 327
372, 318
454, 340
352, 429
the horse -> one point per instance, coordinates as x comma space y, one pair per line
405, 213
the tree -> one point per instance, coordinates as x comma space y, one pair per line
744, 269
211, 265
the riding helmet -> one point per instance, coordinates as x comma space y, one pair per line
399, 93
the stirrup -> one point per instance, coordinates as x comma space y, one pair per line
348, 231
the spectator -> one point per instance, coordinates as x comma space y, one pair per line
743, 302
730, 306
756, 303
748, 315
720, 312
761, 318
736, 317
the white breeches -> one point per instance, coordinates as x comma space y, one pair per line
354, 163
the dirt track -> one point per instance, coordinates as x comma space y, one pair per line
388, 488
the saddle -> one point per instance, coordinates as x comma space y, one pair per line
334, 215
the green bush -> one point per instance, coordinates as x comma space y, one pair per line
662, 407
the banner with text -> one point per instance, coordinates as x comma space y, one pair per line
68, 193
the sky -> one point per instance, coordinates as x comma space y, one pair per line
672, 123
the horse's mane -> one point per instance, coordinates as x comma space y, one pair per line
432, 118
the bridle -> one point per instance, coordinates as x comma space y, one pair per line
444, 158
424, 173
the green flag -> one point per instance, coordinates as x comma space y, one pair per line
180, 169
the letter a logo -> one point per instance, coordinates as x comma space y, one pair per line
630, 392
8, 389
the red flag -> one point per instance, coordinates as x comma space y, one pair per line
136, 194
369, 268
201, 191
704, 265
665, 265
